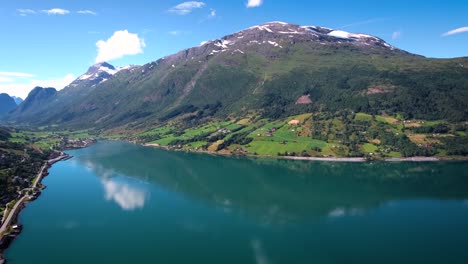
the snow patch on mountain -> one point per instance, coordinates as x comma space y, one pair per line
347, 35
266, 28
222, 43
275, 44
278, 22
100, 73
85, 76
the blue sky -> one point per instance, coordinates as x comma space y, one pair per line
52, 42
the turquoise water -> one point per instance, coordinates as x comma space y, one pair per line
116, 202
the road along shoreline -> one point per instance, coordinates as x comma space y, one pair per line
10, 229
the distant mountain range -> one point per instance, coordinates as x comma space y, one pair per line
6, 104
37, 98
18, 100
271, 70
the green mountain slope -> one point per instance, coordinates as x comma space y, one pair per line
267, 69
38, 98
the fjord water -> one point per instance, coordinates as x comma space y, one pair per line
116, 202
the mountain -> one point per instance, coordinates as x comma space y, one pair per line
18, 100
96, 74
272, 70
38, 98
83, 85
74, 92
6, 104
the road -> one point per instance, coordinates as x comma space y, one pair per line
13, 212
10, 217
39, 176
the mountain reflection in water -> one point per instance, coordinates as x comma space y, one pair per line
273, 191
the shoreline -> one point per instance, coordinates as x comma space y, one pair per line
326, 159
7, 232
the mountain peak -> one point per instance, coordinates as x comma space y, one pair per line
96, 74
99, 73
98, 68
315, 33
18, 100
104, 64
277, 23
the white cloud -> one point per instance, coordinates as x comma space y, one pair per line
22, 89
254, 3
396, 35
120, 44
87, 12
56, 11
186, 7
6, 79
58, 84
25, 12
212, 14
455, 31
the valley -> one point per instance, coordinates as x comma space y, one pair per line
348, 95
198, 132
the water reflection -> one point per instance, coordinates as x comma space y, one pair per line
259, 252
126, 196
127, 192
341, 212
273, 191
71, 225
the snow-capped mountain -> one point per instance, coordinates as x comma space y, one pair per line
99, 73
272, 38
269, 69
279, 34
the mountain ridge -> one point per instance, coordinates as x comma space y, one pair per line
38, 97
254, 69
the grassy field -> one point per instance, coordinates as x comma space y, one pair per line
314, 135
386, 119
363, 117
196, 145
272, 148
369, 148
167, 134
43, 139
394, 154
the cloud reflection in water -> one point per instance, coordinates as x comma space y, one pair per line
259, 252
126, 196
